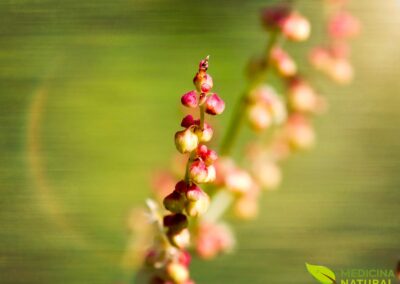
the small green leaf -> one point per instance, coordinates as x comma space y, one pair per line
323, 274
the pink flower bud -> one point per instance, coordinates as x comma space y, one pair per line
198, 207
343, 25
259, 117
246, 208
239, 181
300, 132
188, 121
267, 174
283, 62
198, 171
264, 94
296, 27
177, 272
194, 193
203, 65
214, 105
184, 258
207, 155
186, 141
190, 99
341, 71
206, 84
302, 97
174, 202
203, 82
213, 239
204, 135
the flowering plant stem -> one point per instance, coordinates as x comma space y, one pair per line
239, 111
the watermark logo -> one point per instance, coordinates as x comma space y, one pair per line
325, 275
321, 273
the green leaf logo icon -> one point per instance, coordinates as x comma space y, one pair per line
323, 274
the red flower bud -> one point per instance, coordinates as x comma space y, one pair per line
214, 105
207, 155
188, 121
185, 258
175, 222
190, 99
186, 141
181, 187
203, 82
206, 84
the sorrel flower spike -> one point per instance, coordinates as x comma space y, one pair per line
167, 261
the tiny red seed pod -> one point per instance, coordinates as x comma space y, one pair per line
188, 121
207, 155
181, 187
214, 105
190, 99
175, 222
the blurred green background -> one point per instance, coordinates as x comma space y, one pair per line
89, 95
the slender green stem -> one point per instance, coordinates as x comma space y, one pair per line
234, 125
202, 112
239, 111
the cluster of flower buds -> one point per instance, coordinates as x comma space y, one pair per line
165, 266
290, 114
213, 239
288, 117
290, 23
265, 108
333, 59
241, 184
303, 98
187, 199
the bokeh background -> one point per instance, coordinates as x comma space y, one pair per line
89, 95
